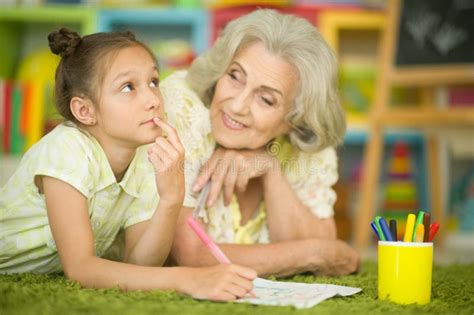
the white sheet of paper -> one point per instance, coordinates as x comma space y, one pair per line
299, 295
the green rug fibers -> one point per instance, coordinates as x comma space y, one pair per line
453, 293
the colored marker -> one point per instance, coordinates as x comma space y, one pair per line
385, 229
408, 236
433, 230
374, 228
426, 224
205, 239
420, 231
379, 229
419, 220
213, 248
393, 229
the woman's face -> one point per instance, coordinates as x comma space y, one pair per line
252, 98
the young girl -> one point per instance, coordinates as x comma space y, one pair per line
91, 177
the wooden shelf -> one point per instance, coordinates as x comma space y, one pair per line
430, 76
427, 117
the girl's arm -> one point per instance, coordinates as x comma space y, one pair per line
72, 232
320, 256
149, 243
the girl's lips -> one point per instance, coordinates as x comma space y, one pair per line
232, 124
148, 121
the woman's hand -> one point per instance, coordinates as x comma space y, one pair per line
219, 283
167, 157
231, 170
332, 258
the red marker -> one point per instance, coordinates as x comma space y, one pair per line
433, 230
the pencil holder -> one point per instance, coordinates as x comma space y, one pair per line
404, 272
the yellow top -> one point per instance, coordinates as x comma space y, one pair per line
73, 156
311, 175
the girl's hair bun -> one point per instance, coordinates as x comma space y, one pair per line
64, 42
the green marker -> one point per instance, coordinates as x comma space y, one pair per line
419, 220
379, 229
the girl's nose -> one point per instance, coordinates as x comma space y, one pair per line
154, 100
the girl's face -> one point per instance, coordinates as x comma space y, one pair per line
252, 98
129, 99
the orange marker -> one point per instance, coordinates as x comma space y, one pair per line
420, 231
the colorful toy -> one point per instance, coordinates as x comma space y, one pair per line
400, 195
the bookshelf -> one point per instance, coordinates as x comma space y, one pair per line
355, 36
24, 30
160, 24
421, 115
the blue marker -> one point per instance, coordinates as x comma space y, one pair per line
374, 227
385, 229
379, 229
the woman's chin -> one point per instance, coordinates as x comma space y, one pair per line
235, 144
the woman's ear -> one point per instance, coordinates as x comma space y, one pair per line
83, 110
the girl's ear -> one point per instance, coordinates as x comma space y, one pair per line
83, 110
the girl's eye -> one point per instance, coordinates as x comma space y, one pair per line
154, 83
127, 88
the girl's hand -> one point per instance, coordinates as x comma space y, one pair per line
220, 282
167, 157
231, 170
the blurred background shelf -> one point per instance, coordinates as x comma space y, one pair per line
25, 28
160, 24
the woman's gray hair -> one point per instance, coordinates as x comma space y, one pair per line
317, 118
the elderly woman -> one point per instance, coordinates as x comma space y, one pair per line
259, 117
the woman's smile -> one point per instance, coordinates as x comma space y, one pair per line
252, 98
232, 123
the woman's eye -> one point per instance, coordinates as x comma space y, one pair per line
127, 88
267, 101
233, 75
154, 83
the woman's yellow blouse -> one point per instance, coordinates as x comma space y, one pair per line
310, 174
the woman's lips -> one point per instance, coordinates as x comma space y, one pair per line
231, 123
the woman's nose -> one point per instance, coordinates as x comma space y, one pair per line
240, 104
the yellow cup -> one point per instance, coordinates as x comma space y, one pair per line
404, 272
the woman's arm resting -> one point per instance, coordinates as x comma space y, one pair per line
287, 217
328, 257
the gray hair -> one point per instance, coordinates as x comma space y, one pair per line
317, 118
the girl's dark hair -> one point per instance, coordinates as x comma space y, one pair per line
82, 67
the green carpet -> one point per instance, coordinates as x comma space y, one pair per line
453, 293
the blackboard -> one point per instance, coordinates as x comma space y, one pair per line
435, 32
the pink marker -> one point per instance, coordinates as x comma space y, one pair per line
215, 250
